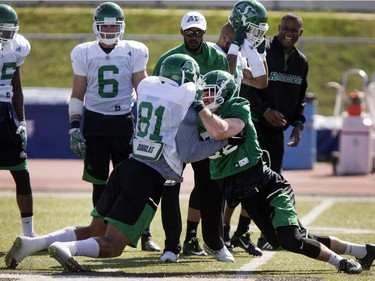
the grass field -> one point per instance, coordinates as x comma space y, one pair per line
344, 217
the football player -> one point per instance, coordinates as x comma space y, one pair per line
106, 76
14, 49
264, 194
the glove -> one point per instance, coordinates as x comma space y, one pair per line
238, 139
261, 49
239, 36
21, 130
77, 142
254, 60
198, 102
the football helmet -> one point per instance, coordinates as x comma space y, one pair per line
252, 16
108, 13
218, 87
178, 69
8, 23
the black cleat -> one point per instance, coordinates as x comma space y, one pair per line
349, 267
192, 248
148, 244
245, 243
367, 261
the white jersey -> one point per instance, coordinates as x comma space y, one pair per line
109, 88
12, 55
161, 109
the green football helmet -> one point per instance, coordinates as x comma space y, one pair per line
252, 17
109, 13
8, 23
178, 69
218, 87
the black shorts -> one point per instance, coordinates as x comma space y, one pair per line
107, 138
130, 199
12, 155
268, 199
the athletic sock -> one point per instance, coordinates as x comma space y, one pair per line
28, 226
87, 248
356, 250
335, 259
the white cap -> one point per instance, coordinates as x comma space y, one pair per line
193, 19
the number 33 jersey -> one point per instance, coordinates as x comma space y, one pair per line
109, 76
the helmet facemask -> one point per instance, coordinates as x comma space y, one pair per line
109, 38
7, 32
256, 33
217, 88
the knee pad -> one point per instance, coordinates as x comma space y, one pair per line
22, 180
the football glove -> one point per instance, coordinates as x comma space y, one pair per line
198, 102
239, 36
77, 142
261, 49
238, 139
21, 130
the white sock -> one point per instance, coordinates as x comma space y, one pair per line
335, 259
356, 250
28, 226
64, 235
88, 248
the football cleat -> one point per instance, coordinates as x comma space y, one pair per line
192, 248
245, 243
62, 254
19, 250
169, 256
349, 267
222, 255
367, 261
148, 245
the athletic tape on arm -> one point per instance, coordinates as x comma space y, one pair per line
75, 107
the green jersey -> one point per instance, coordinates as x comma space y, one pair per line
209, 59
231, 159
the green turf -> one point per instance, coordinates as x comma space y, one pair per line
52, 213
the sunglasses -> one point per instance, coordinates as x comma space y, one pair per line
191, 33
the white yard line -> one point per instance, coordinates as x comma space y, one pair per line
306, 220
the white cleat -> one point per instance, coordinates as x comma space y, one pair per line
169, 256
62, 254
20, 249
222, 255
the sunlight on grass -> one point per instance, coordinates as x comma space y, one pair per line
53, 213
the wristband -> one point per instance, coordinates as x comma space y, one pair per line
255, 61
74, 123
233, 49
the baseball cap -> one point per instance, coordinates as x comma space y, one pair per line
193, 19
